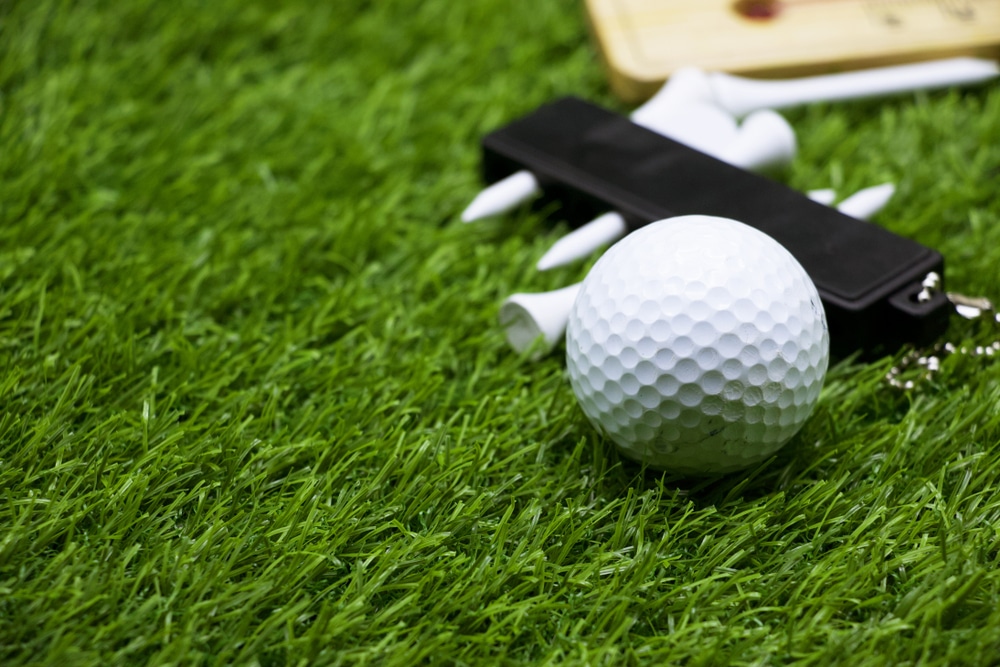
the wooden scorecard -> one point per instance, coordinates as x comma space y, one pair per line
644, 41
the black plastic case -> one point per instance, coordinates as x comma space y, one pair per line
592, 161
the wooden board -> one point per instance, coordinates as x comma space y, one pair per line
643, 41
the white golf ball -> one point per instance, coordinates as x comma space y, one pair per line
698, 345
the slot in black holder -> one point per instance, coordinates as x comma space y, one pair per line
592, 161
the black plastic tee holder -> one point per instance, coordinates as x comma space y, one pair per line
592, 161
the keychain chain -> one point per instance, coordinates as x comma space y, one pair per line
929, 361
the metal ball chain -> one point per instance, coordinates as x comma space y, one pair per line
929, 361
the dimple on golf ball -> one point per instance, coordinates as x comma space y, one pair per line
698, 344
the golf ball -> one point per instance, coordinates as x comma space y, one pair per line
698, 345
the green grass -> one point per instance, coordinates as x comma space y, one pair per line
256, 408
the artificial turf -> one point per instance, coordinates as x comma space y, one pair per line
256, 407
